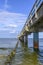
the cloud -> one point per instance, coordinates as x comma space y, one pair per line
6, 2
12, 17
6, 5
12, 25
11, 22
3, 29
13, 31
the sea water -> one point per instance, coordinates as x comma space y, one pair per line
24, 55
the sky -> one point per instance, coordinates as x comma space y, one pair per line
13, 15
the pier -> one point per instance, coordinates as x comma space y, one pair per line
34, 24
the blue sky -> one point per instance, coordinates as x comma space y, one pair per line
13, 15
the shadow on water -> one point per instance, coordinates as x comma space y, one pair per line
26, 56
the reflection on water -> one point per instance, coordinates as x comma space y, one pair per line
26, 56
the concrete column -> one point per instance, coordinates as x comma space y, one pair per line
36, 41
22, 39
25, 40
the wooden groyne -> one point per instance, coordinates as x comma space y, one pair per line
10, 56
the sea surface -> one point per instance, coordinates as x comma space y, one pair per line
6, 46
24, 55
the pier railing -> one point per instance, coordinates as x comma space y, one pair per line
32, 12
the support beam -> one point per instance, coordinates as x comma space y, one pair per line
36, 41
25, 40
21, 39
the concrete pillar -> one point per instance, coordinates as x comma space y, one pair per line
25, 40
36, 41
22, 39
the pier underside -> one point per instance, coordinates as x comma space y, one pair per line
38, 26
